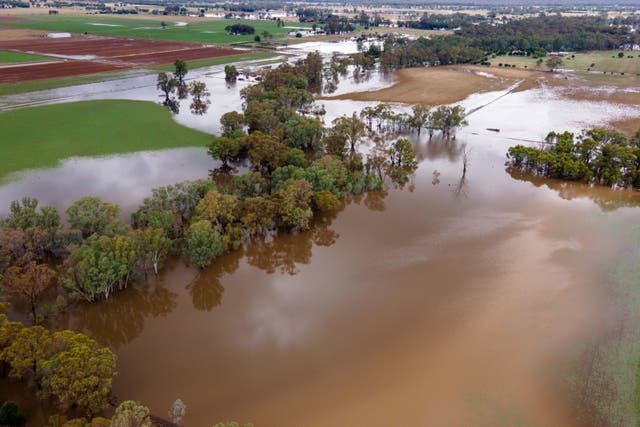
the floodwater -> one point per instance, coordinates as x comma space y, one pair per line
454, 301
457, 302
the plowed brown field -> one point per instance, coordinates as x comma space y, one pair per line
96, 54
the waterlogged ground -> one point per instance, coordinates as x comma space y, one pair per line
452, 301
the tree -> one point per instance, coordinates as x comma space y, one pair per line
266, 151
26, 353
131, 414
554, 62
80, 373
230, 73
240, 29
219, 209
293, 208
179, 75
325, 201
177, 412
171, 208
302, 132
152, 246
200, 102
91, 215
420, 117
203, 243
232, 121
250, 184
29, 283
352, 128
402, 154
224, 148
101, 265
168, 86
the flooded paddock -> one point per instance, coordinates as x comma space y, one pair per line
460, 299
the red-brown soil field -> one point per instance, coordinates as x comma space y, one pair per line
95, 54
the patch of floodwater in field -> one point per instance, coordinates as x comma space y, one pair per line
123, 179
528, 116
102, 24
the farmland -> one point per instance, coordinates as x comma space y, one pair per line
205, 31
17, 57
599, 62
93, 128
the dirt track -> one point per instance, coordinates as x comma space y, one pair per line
94, 54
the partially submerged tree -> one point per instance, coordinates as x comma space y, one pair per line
203, 243
168, 85
29, 282
179, 75
231, 73
200, 101
91, 215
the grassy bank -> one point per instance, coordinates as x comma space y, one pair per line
220, 60
39, 137
204, 31
15, 57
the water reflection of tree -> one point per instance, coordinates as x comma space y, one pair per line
426, 148
120, 319
206, 289
606, 198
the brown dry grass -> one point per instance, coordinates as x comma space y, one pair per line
445, 85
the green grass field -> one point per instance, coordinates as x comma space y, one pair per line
15, 57
205, 31
39, 137
602, 61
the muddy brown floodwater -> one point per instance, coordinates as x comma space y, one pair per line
449, 302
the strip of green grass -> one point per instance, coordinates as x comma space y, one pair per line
39, 137
16, 88
15, 57
205, 31
220, 60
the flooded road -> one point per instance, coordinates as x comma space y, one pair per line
455, 301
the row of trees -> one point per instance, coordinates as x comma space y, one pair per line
472, 43
599, 156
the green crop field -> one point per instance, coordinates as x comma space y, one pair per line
205, 31
14, 57
39, 137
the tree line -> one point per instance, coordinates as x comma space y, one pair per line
598, 156
473, 43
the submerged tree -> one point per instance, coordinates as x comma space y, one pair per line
200, 102
202, 244
230, 73
168, 86
30, 283
179, 75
